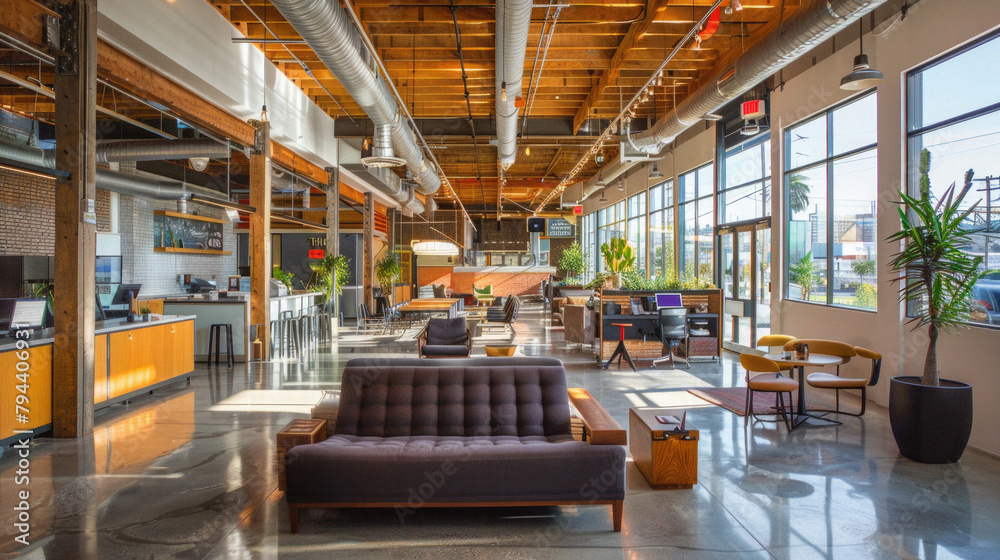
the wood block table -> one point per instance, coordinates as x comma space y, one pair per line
300, 431
665, 458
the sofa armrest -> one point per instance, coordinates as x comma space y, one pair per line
603, 429
421, 341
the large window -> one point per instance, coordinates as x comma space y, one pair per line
637, 229
588, 242
831, 203
695, 216
953, 112
661, 230
610, 225
746, 187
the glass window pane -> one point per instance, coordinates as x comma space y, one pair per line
806, 142
705, 181
743, 203
955, 86
743, 167
656, 197
687, 262
706, 236
806, 234
855, 184
668, 194
855, 125
687, 187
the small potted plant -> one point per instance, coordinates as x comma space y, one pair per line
572, 261
931, 417
144, 311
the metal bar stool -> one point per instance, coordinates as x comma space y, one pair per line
215, 333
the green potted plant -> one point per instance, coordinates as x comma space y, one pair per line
618, 257
931, 417
572, 261
332, 273
284, 277
387, 271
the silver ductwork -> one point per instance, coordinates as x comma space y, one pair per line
327, 29
513, 18
156, 150
387, 183
610, 172
809, 26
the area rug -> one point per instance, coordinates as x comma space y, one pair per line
734, 399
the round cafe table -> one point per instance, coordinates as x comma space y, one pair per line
814, 360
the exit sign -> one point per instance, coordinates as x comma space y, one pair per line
315, 253
578, 209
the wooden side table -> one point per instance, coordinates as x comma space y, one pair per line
300, 431
665, 458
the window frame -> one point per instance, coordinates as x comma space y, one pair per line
694, 204
828, 161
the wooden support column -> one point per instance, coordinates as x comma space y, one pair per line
369, 250
333, 225
75, 228
260, 234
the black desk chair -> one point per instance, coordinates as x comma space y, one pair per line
673, 330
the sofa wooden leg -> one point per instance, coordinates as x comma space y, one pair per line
617, 509
293, 517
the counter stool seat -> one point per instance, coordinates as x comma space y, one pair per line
215, 334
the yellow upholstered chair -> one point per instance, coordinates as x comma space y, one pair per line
830, 347
774, 343
764, 376
823, 380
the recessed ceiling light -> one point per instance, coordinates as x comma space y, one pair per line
557, 97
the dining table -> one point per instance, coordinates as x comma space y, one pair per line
811, 360
449, 307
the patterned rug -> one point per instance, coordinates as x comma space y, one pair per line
734, 399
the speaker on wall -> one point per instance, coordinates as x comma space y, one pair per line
536, 225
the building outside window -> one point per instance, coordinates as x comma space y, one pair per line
953, 112
661, 230
695, 217
636, 234
831, 202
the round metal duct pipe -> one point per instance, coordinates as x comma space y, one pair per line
513, 19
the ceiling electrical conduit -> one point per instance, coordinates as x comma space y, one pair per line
327, 29
806, 28
513, 19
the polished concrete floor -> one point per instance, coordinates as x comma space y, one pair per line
187, 473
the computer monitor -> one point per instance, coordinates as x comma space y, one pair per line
6, 312
668, 300
122, 295
28, 314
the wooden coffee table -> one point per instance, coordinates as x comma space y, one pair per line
665, 458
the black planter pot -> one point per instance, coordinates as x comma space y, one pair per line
930, 424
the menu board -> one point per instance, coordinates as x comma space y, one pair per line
560, 227
187, 233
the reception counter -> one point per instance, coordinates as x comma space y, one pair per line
129, 359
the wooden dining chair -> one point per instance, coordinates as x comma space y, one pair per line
764, 376
822, 380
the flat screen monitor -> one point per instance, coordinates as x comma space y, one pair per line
668, 300
122, 297
6, 312
28, 314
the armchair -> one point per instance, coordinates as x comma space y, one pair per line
445, 338
483, 295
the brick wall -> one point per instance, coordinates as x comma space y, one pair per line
427, 275
504, 283
27, 214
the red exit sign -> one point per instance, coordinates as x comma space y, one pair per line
315, 253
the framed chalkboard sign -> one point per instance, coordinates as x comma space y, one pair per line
174, 232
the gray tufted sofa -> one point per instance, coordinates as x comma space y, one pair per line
414, 433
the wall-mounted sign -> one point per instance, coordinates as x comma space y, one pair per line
315, 253
560, 227
186, 233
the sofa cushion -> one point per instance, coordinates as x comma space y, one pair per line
445, 350
474, 397
353, 469
438, 290
447, 331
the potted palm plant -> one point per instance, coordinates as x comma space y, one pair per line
387, 271
618, 258
931, 417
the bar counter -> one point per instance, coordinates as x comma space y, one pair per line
129, 359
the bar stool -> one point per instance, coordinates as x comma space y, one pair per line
215, 333
620, 351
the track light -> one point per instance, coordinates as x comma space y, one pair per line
697, 44
659, 80
527, 150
